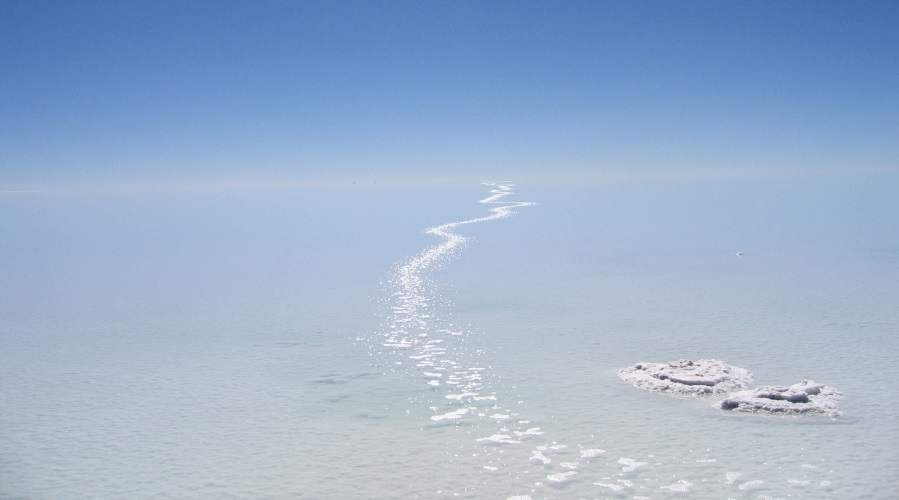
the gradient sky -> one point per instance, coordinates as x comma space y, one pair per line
120, 90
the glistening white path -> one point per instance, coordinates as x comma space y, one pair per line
462, 389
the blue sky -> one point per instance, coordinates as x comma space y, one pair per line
96, 91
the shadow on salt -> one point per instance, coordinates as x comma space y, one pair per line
804, 398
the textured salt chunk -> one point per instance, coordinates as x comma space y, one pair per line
706, 377
681, 486
461, 396
538, 455
751, 485
500, 438
630, 464
804, 398
453, 415
561, 476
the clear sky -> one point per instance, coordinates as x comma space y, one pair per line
124, 90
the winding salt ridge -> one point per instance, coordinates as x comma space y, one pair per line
436, 350
462, 388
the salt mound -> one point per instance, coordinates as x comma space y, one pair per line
804, 398
706, 377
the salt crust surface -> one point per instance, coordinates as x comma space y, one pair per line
804, 398
710, 377
706, 377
